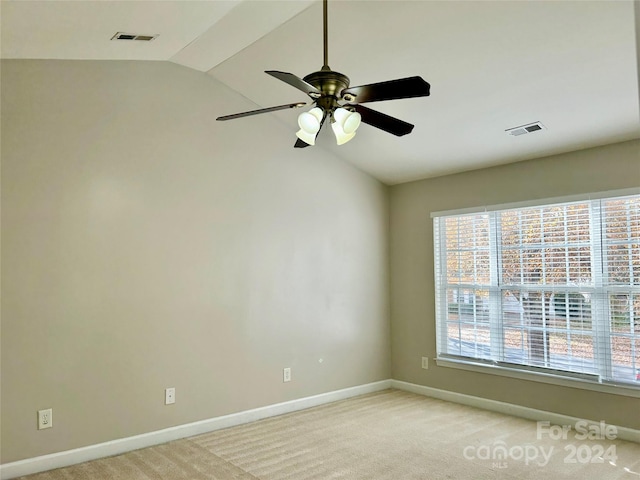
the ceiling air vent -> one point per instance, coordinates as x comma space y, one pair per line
523, 129
133, 36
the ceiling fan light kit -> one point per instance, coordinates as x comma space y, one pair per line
332, 97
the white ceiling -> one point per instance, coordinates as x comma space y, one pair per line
572, 65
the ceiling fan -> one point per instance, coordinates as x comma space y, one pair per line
333, 98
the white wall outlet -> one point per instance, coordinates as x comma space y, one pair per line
45, 418
169, 396
286, 374
425, 363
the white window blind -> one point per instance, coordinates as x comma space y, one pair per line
552, 288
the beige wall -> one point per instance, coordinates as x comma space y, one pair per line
145, 246
412, 282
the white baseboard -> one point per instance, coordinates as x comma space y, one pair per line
115, 447
623, 433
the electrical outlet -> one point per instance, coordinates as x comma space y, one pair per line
425, 363
169, 396
45, 418
286, 374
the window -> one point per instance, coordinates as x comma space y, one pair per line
552, 288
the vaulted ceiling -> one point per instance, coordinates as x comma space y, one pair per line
492, 65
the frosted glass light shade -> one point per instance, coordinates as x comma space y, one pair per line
345, 124
309, 125
349, 121
310, 121
341, 136
309, 138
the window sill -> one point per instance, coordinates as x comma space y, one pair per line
615, 389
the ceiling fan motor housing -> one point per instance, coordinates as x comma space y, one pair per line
330, 84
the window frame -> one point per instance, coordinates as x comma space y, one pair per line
526, 372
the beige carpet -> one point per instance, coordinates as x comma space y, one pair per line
388, 435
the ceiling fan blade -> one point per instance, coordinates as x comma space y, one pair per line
294, 81
392, 90
261, 110
383, 121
